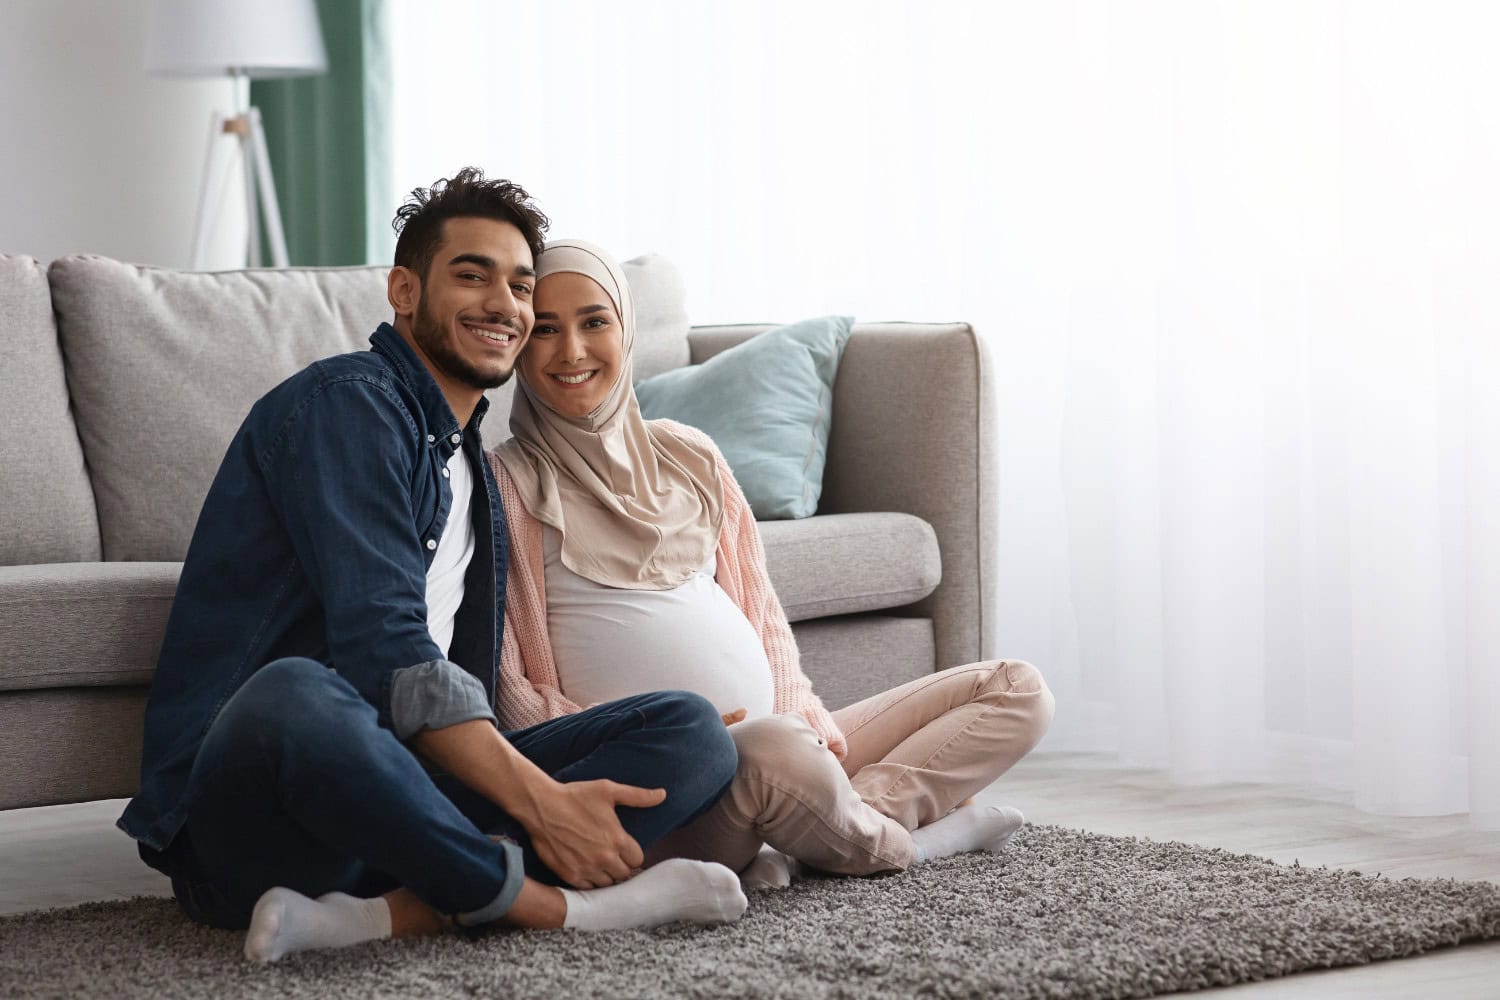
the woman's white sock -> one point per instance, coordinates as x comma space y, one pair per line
285, 922
971, 828
698, 891
770, 870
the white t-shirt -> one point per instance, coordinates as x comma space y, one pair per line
445, 577
610, 642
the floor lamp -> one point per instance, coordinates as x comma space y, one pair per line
244, 40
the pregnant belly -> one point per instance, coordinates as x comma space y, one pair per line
661, 641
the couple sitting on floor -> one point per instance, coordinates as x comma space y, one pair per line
408, 684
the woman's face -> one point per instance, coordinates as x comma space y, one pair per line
577, 347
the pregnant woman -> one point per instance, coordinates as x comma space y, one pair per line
636, 566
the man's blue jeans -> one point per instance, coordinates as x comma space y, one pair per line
297, 785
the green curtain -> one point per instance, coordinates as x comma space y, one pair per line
327, 136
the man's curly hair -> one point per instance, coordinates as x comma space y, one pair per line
419, 222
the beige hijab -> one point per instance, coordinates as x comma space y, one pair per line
638, 506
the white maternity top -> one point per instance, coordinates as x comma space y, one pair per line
610, 643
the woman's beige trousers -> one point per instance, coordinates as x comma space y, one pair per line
915, 752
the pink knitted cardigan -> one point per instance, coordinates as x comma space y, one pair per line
530, 691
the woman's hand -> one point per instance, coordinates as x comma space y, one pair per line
578, 835
738, 715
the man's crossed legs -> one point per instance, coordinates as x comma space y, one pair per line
297, 787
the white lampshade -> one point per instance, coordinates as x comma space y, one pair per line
259, 38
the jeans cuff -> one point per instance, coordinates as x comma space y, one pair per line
515, 875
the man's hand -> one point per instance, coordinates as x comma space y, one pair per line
576, 832
573, 825
738, 715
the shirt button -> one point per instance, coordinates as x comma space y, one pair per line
431, 438
431, 544
456, 438
446, 473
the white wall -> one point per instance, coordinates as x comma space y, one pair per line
95, 156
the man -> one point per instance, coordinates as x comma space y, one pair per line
321, 728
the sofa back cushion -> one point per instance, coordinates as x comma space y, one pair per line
164, 365
44, 490
767, 403
661, 319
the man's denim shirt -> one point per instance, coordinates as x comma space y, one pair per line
314, 541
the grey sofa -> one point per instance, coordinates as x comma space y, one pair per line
123, 384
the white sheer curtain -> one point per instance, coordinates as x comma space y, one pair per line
1237, 264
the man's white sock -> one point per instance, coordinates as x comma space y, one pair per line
285, 922
698, 891
972, 828
770, 870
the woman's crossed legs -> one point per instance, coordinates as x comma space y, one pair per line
916, 752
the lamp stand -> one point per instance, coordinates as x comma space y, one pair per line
249, 144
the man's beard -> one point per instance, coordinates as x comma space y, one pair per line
431, 337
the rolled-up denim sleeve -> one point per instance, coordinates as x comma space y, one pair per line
435, 695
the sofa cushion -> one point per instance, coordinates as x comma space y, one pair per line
767, 403
661, 320
45, 494
839, 564
163, 366
83, 624
101, 624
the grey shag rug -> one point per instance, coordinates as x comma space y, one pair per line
1061, 914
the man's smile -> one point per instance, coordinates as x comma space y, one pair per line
494, 333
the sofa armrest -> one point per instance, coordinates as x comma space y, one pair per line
914, 431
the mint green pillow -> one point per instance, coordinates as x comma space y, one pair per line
768, 404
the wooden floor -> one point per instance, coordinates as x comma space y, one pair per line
71, 854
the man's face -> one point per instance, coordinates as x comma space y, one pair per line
475, 309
